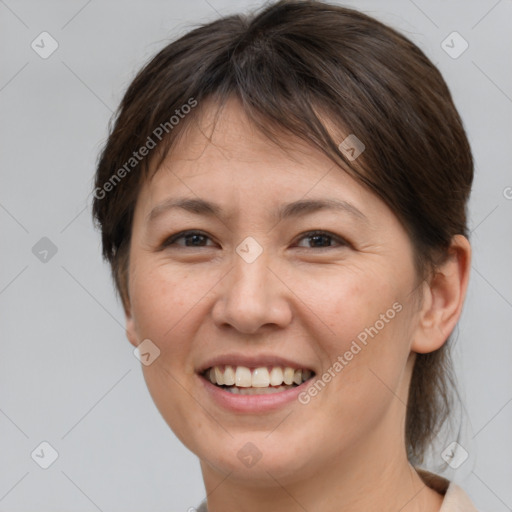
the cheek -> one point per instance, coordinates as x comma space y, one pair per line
365, 348
165, 305
348, 301
162, 296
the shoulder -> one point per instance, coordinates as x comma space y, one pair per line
455, 498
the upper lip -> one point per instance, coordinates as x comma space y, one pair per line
256, 361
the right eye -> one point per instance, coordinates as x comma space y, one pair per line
191, 237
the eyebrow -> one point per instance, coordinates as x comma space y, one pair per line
287, 210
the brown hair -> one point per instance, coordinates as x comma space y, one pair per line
294, 66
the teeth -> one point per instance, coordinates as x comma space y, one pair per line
242, 378
219, 376
257, 391
229, 376
288, 375
276, 376
260, 378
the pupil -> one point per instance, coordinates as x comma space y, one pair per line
195, 237
316, 237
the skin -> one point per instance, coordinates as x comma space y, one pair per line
345, 449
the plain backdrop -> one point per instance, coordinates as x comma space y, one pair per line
68, 376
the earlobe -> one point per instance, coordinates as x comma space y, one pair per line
443, 298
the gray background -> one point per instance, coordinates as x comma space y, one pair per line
68, 375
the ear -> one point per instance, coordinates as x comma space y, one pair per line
130, 324
443, 298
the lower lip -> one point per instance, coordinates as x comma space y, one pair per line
252, 403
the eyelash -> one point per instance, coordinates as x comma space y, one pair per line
309, 234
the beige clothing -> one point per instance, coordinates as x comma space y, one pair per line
455, 499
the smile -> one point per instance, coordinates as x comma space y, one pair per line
257, 381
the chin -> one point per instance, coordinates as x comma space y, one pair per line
258, 458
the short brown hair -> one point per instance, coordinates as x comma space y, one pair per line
294, 65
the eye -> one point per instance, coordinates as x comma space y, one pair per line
192, 239
320, 239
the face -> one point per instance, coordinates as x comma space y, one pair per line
261, 279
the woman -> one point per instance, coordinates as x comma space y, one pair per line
282, 199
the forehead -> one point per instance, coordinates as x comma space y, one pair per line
222, 157
224, 131
224, 138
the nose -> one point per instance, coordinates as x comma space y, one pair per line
252, 297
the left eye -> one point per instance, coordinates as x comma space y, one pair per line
319, 239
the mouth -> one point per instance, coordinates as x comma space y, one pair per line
262, 380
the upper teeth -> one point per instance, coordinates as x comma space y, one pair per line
262, 377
